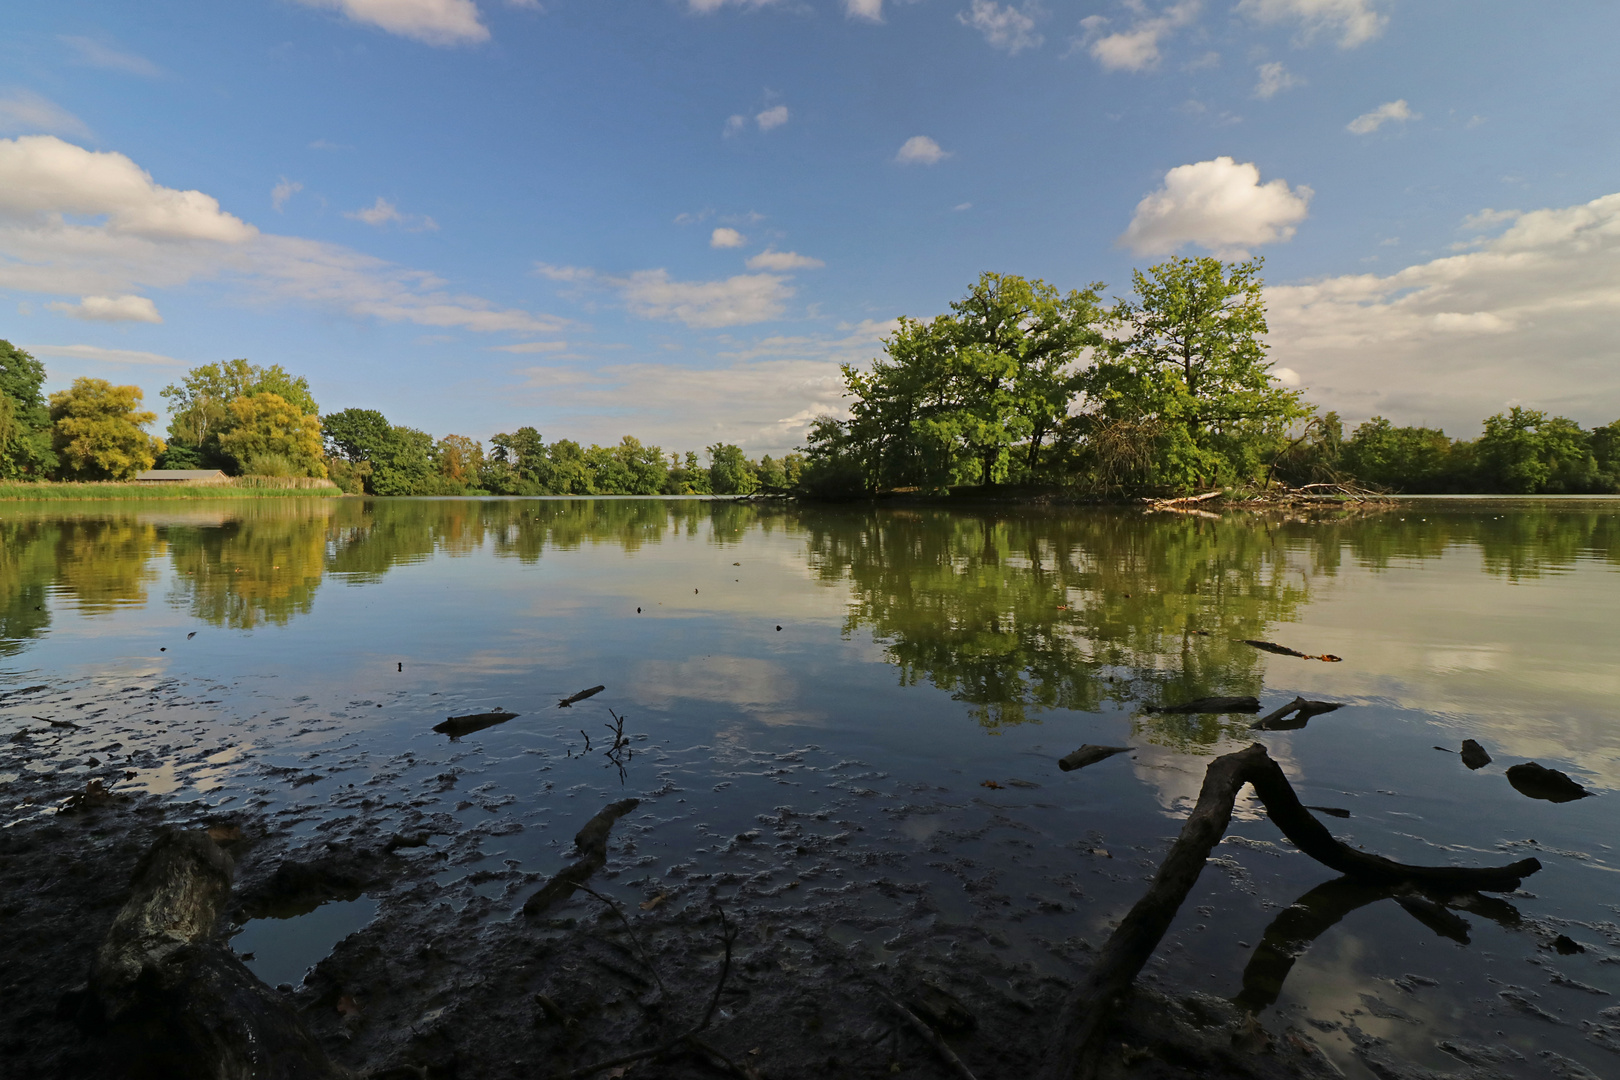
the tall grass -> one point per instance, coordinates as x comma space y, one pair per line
237, 487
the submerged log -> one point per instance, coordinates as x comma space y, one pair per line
175, 1000
1539, 782
1284, 650
1089, 754
1084, 1018
1211, 705
456, 726
592, 843
581, 696
1294, 715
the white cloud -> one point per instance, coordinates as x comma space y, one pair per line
92, 53
1003, 27
1488, 218
564, 273
1285, 375
432, 22
959, 207
80, 223
1274, 79
284, 190
97, 354
43, 175
735, 301
1219, 205
1369, 122
1531, 318
706, 7
772, 118
735, 125
783, 261
22, 111
921, 150
124, 308
1136, 48
864, 9
532, 347
382, 212
1355, 21
726, 238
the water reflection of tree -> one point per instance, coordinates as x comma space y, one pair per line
261, 565
27, 568
1019, 615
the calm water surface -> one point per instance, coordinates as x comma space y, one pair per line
884, 665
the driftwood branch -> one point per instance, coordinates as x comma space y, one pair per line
929, 1035
176, 1002
592, 843
1084, 1018
1294, 715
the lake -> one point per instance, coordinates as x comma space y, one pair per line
913, 672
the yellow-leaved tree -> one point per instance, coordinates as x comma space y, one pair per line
271, 436
96, 431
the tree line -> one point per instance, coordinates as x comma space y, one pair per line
247, 419
1167, 390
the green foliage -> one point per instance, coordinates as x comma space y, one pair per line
1525, 452
686, 476
96, 431
25, 420
730, 472
200, 406
404, 464
1193, 361
266, 431
1411, 460
356, 434
626, 469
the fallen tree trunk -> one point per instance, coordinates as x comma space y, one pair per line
1301, 709
176, 1002
1089, 754
1084, 1018
592, 843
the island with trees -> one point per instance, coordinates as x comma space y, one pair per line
1019, 388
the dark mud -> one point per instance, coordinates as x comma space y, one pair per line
450, 980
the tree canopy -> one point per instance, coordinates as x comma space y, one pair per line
97, 431
25, 421
201, 408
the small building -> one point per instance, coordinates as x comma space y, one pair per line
182, 476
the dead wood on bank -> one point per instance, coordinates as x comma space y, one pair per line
1089, 754
592, 843
175, 1000
564, 703
1075, 1050
457, 726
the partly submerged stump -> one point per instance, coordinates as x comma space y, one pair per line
176, 1002
1084, 1019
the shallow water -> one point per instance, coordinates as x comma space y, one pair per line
876, 668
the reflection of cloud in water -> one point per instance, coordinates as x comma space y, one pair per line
752, 685
1176, 776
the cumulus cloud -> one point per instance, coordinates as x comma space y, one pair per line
91, 53
1003, 27
23, 111
1488, 218
1219, 205
1531, 318
920, 150
783, 261
124, 308
773, 117
532, 347
735, 301
97, 354
1135, 48
432, 22
724, 237
1355, 21
1369, 122
382, 212
1274, 79
76, 222
284, 190
864, 9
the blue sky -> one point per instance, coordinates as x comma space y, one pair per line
674, 218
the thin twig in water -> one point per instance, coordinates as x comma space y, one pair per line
932, 1037
646, 960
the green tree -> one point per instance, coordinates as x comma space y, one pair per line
730, 472
25, 420
404, 465
271, 436
96, 431
1413, 460
460, 459
1526, 452
1192, 361
200, 405
567, 471
1605, 442
356, 435
519, 464
626, 469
